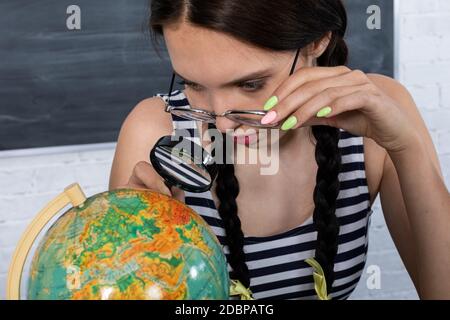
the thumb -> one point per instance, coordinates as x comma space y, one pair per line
178, 193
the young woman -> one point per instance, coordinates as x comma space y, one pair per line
345, 137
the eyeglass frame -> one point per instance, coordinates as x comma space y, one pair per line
169, 108
207, 163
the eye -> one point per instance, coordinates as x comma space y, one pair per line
191, 85
252, 85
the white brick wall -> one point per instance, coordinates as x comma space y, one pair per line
27, 183
423, 65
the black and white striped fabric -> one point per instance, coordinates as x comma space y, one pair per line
276, 263
185, 171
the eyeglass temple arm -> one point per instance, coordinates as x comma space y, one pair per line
170, 92
295, 62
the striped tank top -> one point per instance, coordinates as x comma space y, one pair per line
276, 263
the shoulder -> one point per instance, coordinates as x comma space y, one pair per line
149, 114
146, 122
140, 130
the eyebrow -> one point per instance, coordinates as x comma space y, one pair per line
260, 74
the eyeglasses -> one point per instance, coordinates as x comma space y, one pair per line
246, 117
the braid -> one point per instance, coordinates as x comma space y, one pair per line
227, 190
328, 159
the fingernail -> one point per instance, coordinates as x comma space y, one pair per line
289, 123
269, 117
272, 102
324, 112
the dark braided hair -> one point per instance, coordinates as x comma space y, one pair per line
283, 25
227, 190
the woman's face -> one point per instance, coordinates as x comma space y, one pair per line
223, 73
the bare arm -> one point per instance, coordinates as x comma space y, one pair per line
427, 203
416, 205
145, 124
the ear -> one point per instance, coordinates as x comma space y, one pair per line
318, 47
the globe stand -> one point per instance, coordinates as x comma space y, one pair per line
71, 195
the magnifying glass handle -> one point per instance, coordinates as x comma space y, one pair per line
168, 184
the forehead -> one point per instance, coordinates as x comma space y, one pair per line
193, 50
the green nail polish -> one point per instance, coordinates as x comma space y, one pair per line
272, 102
324, 112
289, 123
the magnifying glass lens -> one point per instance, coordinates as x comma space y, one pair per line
178, 167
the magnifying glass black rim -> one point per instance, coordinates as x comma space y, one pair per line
171, 141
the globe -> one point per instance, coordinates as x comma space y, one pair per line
129, 244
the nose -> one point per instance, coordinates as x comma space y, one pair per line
219, 104
223, 124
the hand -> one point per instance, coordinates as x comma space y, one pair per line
145, 177
341, 98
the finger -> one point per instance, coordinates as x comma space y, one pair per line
351, 121
178, 194
362, 100
314, 121
304, 75
135, 186
310, 89
142, 174
121, 186
161, 187
328, 98
144, 177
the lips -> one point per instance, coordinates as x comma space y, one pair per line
245, 139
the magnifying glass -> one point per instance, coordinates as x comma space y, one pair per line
183, 163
